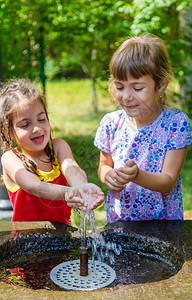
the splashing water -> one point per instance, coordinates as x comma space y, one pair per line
95, 240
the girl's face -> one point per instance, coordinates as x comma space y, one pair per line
31, 127
139, 99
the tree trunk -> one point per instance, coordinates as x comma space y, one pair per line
42, 60
93, 95
93, 81
1, 65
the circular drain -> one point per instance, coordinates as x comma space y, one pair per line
67, 276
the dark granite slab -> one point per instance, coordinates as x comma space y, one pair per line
176, 234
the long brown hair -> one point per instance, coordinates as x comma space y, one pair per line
14, 93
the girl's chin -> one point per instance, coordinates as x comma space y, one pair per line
132, 114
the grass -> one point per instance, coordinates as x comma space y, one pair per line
69, 106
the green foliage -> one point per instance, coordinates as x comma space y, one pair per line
21, 24
80, 36
89, 30
167, 20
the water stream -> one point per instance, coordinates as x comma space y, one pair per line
100, 250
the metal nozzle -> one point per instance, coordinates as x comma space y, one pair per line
83, 261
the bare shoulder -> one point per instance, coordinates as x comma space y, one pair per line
6, 155
61, 147
60, 143
11, 164
8, 158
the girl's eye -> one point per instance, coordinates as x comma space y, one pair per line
138, 89
119, 88
24, 125
41, 120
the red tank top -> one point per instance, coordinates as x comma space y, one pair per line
28, 207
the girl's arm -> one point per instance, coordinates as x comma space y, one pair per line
15, 173
165, 181
75, 176
162, 182
73, 173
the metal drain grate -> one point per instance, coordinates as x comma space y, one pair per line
67, 276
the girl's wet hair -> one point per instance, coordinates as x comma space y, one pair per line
13, 94
140, 56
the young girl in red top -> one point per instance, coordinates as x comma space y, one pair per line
36, 168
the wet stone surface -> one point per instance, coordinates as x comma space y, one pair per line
151, 252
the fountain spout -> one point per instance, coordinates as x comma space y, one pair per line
82, 274
83, 261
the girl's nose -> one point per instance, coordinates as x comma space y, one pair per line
128, 96
36, 129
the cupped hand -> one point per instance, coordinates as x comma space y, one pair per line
74, 199
113, 181
127, 173
92, 194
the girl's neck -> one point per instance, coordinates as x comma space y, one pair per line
32, 154
39, 158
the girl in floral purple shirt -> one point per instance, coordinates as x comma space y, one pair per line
143, 145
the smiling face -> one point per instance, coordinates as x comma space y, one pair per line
31, 128
139, 99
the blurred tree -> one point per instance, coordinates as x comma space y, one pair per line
186, 80
10, 44
21, 37
1, 66
80, 36
89, 30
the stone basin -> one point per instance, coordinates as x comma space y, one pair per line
166, 241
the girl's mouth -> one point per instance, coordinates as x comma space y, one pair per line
38, 140
130, 107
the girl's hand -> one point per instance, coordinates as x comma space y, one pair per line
75, 200
127, 173
113, 181
92, 195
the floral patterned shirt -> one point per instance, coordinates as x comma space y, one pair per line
147, 147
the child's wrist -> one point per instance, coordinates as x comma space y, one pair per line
136, 174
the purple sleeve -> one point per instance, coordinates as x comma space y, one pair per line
180, 134
102, 137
